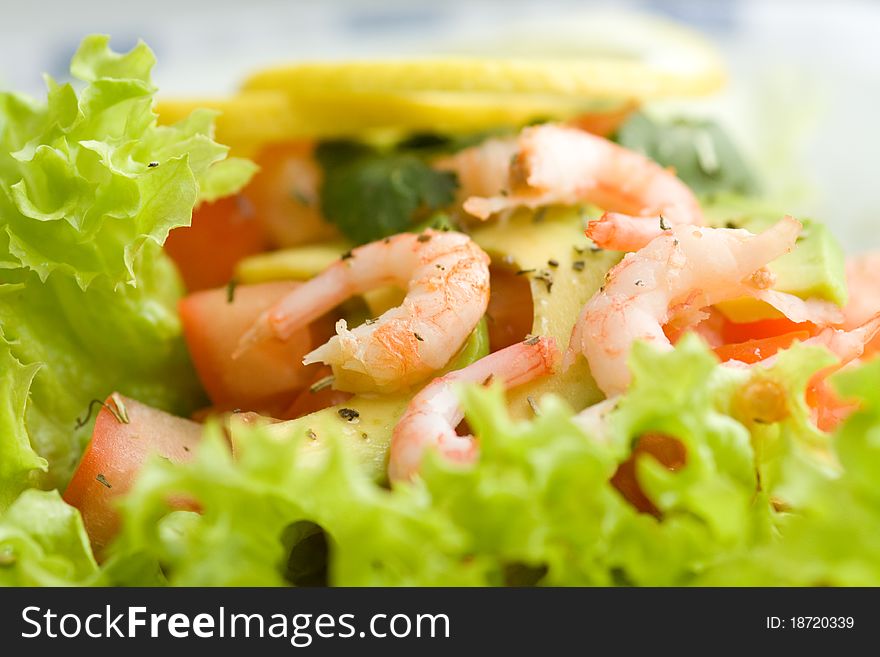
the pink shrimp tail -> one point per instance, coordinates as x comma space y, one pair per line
848, 345
622, 232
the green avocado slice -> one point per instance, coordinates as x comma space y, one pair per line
564, 271
366, 422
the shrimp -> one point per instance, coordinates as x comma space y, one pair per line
432, 415
447, 280
863, 281
624, 233
481, 170
556, 164
676, 274
848, 344
620, 232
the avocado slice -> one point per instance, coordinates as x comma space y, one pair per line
550, 248
814, 269
299, 263
365, 423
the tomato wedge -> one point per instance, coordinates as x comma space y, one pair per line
221, 234
312, 399
733, 332
267, 377
126, 433
510, 313
754, 351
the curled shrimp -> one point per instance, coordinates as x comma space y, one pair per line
676, 275
624, 233
432, 415
446, 276
556, 164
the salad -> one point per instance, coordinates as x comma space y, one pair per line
462, 321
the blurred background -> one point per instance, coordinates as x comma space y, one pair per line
801, 100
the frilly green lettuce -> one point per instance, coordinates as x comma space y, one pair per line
87, 180
43, 543
90, 186
830, 534
537, 507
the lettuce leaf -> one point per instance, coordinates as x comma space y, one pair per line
90, 186
538, 506
830, 534
43, 543
17, 457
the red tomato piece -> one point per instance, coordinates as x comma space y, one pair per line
734, 332
510, 313
221, 234
307, 402
126, 433
266, 377
753, 351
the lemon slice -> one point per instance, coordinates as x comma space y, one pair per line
252, 119
592, 55
588, 63
595, 78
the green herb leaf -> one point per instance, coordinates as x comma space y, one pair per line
369, 194
701, 153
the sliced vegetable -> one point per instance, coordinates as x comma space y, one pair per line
126, 434
317, 395
221, 234
474, 348
666, 450
829, 407
734, 332
510, 313
361, 425
753, 351
265, 378
547, 249
299, 263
